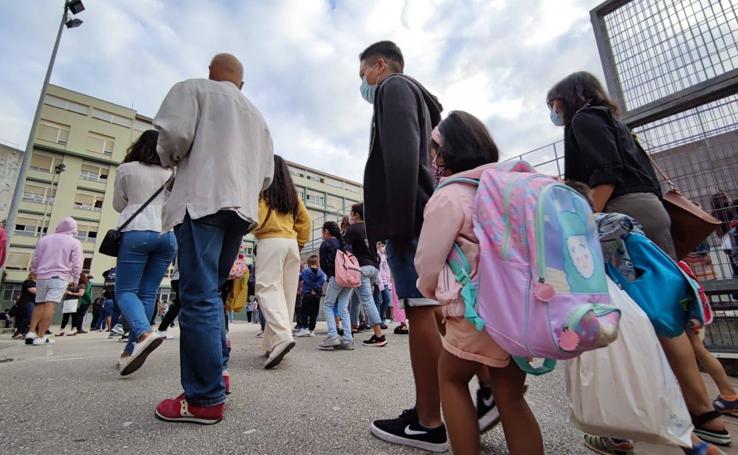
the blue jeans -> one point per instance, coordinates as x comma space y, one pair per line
369, 275
383, 300
336, 304
143, 260
207, 249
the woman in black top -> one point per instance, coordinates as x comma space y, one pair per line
357, 243
600, 151
26, 302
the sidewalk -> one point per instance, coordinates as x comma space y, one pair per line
68, 398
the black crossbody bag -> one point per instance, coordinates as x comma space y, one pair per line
111, 243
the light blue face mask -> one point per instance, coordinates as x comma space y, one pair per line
555, 117
368, 91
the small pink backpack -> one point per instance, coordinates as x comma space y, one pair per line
541, 289
348, 271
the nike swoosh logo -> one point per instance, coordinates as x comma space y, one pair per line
488, 402
410, 432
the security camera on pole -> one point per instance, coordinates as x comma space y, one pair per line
70, 6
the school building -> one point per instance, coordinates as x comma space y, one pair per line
90, 137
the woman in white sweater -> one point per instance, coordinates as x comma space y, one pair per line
145, 253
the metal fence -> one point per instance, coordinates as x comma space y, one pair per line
673, 67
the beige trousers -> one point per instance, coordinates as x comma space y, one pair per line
277, 275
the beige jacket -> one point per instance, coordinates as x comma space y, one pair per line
221, 147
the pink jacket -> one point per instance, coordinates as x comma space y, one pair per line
447, 219
59, 254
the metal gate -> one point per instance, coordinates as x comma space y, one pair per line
672, 65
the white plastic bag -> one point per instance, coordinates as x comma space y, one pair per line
627, 390
70, 306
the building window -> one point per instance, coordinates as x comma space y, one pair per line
88, 200
67, 105
315, 198
19, 260
352, 188
95, 173
333, 182
86, 265
313, 177
53, 132
30, 225
39, 193
97, 143
87, 231
44, 163
106, 116
333, 202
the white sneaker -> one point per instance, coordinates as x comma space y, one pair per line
41, 341
278, 354
312, 333
303, 333
140, 352
30, 336
122, 362
260, 334
166, 336
117, 329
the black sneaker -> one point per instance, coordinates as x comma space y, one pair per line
487, 412
407, 431
340, 332
376, 341
401, 329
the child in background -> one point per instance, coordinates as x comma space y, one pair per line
312, 279
464, 148
384, 299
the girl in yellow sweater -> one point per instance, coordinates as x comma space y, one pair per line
284, 227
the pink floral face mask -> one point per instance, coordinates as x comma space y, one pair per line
437, 170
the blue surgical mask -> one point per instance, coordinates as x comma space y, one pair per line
555, 117
368, 91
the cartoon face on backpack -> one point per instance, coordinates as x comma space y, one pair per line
579, 261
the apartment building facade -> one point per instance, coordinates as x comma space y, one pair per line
90, 137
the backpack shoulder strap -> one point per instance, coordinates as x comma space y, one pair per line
463, 180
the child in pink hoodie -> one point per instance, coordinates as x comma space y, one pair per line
463, 148
57, 263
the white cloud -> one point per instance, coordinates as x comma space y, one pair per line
495, 59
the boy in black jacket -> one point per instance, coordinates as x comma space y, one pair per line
398, 181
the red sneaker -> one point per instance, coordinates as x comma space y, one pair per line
178, 410
227, 382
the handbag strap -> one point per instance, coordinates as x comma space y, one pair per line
145, 204
269, 213
656, 166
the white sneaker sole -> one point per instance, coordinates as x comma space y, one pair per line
137, 359
274, 361
399, 440
188, 419
489, 420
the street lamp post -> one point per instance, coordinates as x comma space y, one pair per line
75, 7
58, 169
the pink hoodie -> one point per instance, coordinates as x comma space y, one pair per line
59, 254
448, 219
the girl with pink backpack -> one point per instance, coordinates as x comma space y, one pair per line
464, 148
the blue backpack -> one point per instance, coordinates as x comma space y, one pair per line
653, 280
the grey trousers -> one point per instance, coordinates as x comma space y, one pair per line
648, 210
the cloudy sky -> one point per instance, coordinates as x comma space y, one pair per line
493, 58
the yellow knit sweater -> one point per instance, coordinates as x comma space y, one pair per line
286, 226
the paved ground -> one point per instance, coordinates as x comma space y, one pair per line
68, 398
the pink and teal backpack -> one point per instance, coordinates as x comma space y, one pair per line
541, 289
